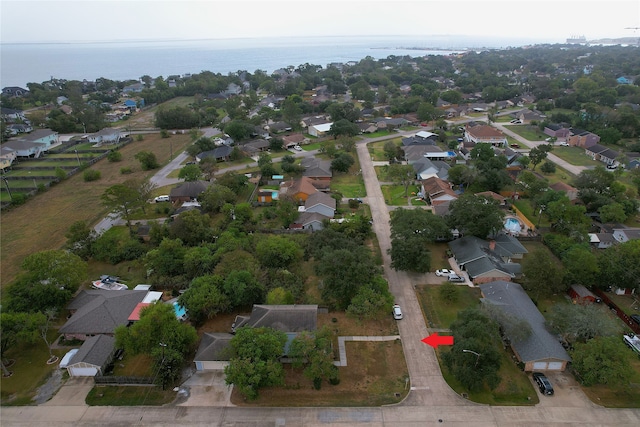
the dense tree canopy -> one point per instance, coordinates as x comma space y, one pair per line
475, 215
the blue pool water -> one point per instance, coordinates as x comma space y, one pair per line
180, 310
512, 225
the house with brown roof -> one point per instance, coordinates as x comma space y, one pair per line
571, 192
298, 189
436, 191
582, 138
290, 141
484, 134
502, 201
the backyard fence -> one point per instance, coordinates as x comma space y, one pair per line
119, 380
619, 312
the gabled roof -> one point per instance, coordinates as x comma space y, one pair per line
562, 186
307, 218
317, 169
484, 131
302, 185
492, 195
285, 318
294, 138
477, 257
189, 189
512, 299
435, 187
95, 351
318, 198
100, 311
217, 153
213, 346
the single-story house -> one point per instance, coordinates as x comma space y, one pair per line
105, 136
582, 138
581, 295
557, 131
310, 221
319, 130
279, 127
484, 134
486, 261
390, 123
220, 154
602, 240
623, 235
602, 153
213, 351
188, 191
285, 318
571, 192
95, 312
527, 116
290, 141
93, 356
7, 157
540, 350
425, 169
255, 146
435, 191
321, 203
299, 189
11, 115
317, 169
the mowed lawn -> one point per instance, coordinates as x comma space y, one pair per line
42, 222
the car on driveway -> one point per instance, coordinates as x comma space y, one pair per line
543, 383
397, 312
635, 318
443, 272
160, 199
453, 277
297, 148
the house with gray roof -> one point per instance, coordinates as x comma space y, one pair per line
188, 191
313, 221
93, 357
622, 235
213, 352
426, 168
538, 351
486, 261
321, 203
95, 312
317, 169
285, 318
105, 136
219, 154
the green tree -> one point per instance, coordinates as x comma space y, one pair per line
287, 211
343, 272
121, 199
412, 230
602, 360
313, 350
403, 175
279, 296
190, 173
161, 335
192, 227
542, 274
538, 154
254, 363
371, 301
342, 163
242, 289
278, 251
620, 265
167, 259
17, 328
548, 167
80, 238
199, 261
147, 160
475, 215
390, 150
343, 127
612, 213
474, 332
204, 298
581, 323
215, 197
581, 266
568, 219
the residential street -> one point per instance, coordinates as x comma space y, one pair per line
430, 402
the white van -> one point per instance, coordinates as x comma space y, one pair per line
164, 198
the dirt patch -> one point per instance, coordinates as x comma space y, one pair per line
48, 389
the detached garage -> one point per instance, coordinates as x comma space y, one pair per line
213, 352
93, 357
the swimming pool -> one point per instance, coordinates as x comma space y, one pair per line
181, 313
512, 225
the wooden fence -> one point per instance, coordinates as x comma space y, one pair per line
618, 311
117, 380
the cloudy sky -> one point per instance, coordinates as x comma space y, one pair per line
95, 20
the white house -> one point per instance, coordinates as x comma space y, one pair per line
320, 129
105, 136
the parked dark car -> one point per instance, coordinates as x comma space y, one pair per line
543, 383
635, 318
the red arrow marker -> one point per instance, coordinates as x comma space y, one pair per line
434, 340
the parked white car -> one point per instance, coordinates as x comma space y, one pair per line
397, 312
443, 272
163, 198
297, 148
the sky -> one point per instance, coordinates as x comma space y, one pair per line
30, 21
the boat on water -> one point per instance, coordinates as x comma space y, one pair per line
109, 283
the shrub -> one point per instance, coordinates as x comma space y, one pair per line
139, 137
61, 174
91, 175
18, 199
125, 171
164, 133
42, 188
448, 292
114, 156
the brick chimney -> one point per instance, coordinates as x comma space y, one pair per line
492, 245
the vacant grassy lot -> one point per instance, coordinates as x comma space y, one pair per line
616, 396
349, 184
394, 195
42, 222
440, 313
531, 133
376, 149
575, 156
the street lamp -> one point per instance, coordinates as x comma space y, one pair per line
477, 355
163, 345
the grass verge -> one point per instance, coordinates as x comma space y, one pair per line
129, 396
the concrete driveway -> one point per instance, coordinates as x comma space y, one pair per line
206, 389
72, 393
